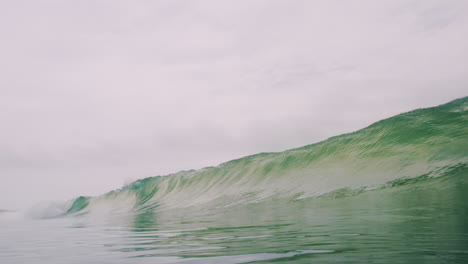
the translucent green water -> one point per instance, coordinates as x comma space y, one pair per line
419, 222
395, 192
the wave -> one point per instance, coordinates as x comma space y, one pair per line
404, 149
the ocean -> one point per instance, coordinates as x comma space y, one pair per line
393, 192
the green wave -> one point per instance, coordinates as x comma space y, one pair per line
405, 149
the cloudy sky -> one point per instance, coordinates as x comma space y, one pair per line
94, 94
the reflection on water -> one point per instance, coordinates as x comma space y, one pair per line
408, 224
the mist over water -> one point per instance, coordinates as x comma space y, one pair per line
394, 192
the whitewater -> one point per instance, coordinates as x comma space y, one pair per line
393, 192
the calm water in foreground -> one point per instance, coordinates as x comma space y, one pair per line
414, 223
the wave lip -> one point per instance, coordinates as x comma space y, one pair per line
426, 142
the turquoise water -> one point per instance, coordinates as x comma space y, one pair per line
394, 192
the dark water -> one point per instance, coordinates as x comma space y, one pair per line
417, 222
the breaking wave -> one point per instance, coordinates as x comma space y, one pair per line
404, 149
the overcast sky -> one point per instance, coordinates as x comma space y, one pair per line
94, 94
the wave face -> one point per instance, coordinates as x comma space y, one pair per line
421, 144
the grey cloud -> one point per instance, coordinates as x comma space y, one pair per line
96, 93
